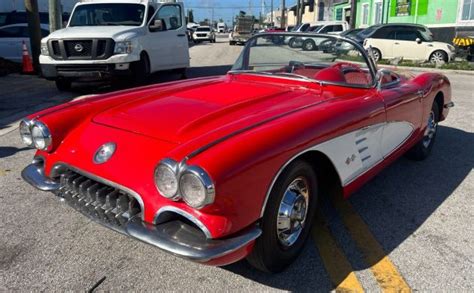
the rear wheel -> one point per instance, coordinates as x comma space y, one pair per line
63, 84
287, 218
423, 148
309, 45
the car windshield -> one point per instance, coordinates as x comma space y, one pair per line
330, 59
203, 29
108, 14
368, 31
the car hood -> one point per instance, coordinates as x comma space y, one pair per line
118, 33
217, 107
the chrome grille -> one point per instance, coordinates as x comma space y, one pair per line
108, 205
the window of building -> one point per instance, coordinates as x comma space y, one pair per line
468, 10
365, 13
378, 12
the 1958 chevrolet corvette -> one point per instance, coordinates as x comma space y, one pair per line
218, 169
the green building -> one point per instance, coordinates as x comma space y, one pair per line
441, 16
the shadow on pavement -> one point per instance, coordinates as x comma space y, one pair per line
10, 151
393, 205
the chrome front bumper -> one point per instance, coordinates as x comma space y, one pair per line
176, 236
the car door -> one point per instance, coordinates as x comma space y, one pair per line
403, 104
11, 39
168, 46
405, 44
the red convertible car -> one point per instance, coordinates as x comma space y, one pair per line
222, 168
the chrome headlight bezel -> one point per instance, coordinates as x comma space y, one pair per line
181, 171
25, 132
43, 141
171, 166
207, 186
123, 47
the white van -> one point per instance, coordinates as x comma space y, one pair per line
105, 39
320, 27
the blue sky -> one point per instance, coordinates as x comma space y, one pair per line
225, 9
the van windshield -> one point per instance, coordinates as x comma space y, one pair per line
203, 29
108, 14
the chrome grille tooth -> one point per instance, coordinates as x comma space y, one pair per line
97, 200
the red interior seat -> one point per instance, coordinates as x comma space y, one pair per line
330, 74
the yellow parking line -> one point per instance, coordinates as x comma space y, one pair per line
338, 267
385, 272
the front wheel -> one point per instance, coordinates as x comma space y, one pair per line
439, 56
423, 148
287, 218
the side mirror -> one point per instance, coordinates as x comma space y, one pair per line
157, 26
418, 40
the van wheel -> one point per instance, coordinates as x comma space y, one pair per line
63, 84
309, 45
287, 219
141, 68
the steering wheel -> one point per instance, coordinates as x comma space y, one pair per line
293, 65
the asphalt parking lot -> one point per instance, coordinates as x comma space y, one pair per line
409, 228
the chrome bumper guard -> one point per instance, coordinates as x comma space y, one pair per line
176, 237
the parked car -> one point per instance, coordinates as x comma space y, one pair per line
115, 39
218, 169
412, 42
329, 46
14, 17
12, 37
322, 27
204, 33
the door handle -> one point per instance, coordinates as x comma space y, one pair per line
420, 93
181, 35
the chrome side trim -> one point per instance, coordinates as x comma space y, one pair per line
104, 181
184, 214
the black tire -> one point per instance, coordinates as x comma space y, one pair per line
309, 45
439, 55
181, 72
231, 43
291, 43
269, 254
141, 69
377, 54
63, 84
422, 149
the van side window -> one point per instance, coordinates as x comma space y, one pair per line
171, 16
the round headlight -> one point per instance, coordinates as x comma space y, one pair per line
25, 133
197, 188
41, 136
166, 179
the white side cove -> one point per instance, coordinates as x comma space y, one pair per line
356, 152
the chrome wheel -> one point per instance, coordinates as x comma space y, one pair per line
309, 46
437, 57
376, 54
430, 130
292, 212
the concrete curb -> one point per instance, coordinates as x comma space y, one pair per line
427, 69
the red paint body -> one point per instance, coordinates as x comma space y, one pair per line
280, 118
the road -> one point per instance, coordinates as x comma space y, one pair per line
410, 227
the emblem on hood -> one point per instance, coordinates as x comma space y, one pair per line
104, 153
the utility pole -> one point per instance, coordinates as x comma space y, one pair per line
34, 29
298, 12
353, 13
55, 19
283, 16
271, 13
